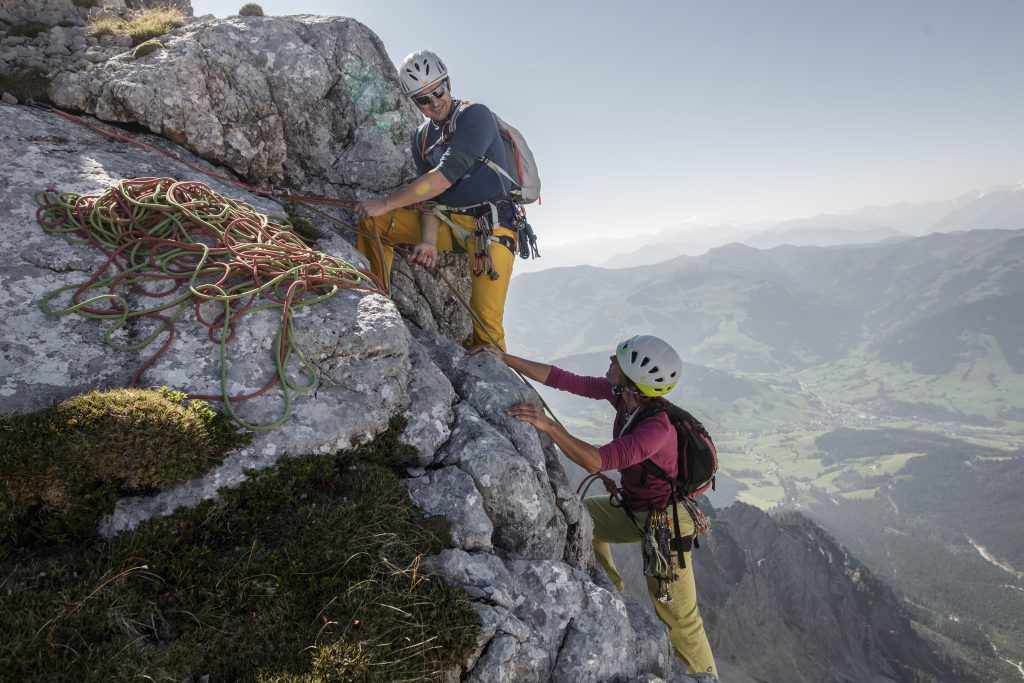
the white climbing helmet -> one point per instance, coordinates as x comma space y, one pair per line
421, 70
650, 362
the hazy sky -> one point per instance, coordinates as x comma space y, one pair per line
644, 114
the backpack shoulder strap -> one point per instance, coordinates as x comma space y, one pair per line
465, 104
420, 138
446, 130
647, 412
646, 466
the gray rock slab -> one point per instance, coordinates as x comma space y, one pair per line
451, 492
308, 100
430, 413
517, 498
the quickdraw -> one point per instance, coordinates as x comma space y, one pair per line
657, 552
482, 261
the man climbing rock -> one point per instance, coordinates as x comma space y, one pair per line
642, 369
474, 210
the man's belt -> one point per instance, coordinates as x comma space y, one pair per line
477, 210
507, 241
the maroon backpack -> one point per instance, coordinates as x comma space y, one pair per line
697, 465
698, 458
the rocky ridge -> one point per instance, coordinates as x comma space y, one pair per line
521, 544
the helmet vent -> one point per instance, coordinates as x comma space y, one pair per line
653, 370
645, 361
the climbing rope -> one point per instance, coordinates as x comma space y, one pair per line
184, 245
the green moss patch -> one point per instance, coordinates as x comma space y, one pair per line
308, 571
300, 225
64, 467
146, 48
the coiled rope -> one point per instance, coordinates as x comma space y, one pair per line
185, 245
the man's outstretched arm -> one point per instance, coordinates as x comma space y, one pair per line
427, 186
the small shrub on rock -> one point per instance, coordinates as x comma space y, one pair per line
251, 10
25, 83
28, 29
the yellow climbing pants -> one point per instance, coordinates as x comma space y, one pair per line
488, 297
685, 627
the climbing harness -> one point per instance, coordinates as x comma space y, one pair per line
657, 541
482, 234
185, 246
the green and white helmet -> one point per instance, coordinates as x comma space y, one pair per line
650, 362
420, 70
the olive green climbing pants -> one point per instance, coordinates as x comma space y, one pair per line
685, 627
488, 296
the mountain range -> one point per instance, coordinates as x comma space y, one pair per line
876, 388
786, 308
994, 208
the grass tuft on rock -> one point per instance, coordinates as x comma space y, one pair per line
64, 467
105, 25
250, 9
152, 23
308, 571
147, 24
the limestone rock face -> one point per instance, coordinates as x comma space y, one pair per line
311, 103
306, 102
49, 11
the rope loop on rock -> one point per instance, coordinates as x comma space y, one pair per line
180, 245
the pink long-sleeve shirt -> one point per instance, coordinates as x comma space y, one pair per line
654, 438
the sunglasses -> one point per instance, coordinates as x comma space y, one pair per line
435, 94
